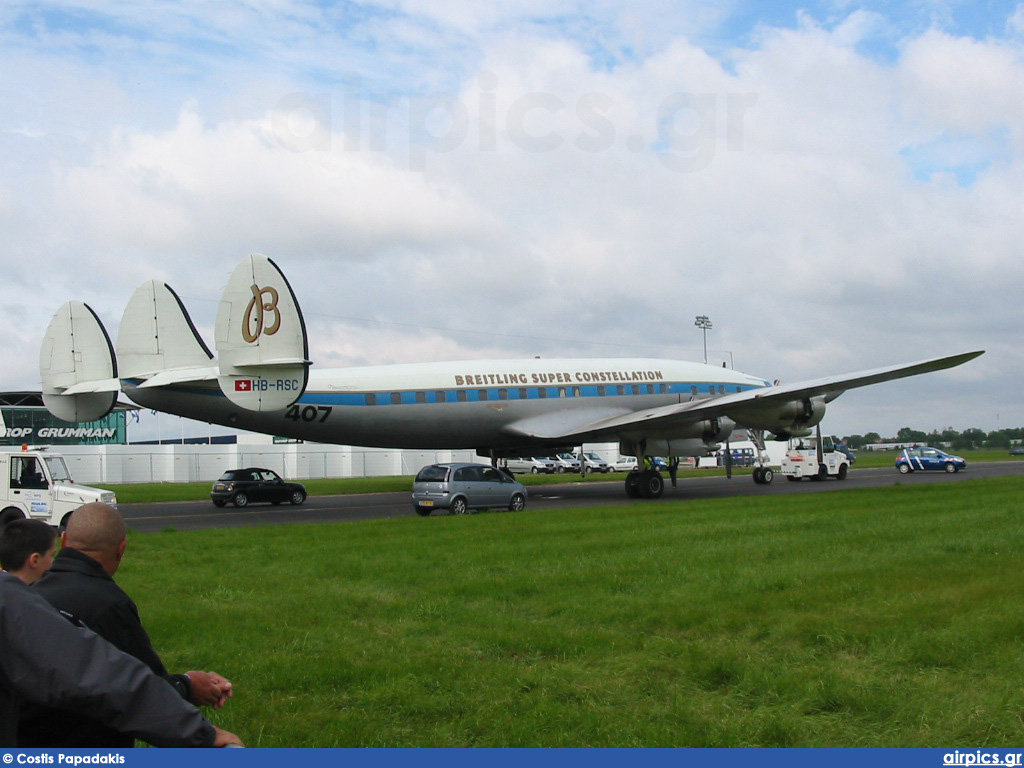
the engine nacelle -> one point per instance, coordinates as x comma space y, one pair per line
695, 440
794, 418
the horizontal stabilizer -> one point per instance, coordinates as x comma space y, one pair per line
77, 365
180, 376
99, 385
261, 338
157, 340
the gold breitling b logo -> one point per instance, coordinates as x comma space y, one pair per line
264, 300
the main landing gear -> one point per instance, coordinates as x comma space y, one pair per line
763, 474
644, 484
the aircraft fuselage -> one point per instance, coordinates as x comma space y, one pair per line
476, 404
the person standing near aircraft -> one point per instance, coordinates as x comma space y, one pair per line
27, 548
81, 586
48, 662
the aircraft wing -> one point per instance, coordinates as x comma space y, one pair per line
752, 408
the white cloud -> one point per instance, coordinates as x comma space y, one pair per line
556, 202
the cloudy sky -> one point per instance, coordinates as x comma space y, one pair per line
838, 185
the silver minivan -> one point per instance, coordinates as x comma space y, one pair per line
460, 487
531, 464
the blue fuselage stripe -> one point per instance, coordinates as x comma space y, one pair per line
506, 394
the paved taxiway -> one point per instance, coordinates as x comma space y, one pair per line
194, 515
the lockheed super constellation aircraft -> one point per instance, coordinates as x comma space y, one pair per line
261, 381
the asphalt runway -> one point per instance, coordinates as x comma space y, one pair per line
196, 515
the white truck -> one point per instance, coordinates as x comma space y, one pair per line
815, 457
37, 484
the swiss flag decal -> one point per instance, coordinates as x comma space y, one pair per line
243, 385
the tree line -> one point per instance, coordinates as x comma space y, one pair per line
962, 441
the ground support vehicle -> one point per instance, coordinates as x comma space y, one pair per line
927, 458
37, 484
816, 458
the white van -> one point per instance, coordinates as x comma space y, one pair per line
37, 484
530, 464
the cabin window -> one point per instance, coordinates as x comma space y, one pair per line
620, 389
542, 392
576, 392
523, 394
396, 398
601, 390
561, 391
421, 397
482, 394
503, 394
461, 394
371, 399
441, 397
693, 391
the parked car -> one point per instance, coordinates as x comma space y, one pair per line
253, 485
914, 459
567, 463
1017, 450
593, 462
624, 464
460, 487
531, 464
628, 464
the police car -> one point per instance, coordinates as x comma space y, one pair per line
914, 459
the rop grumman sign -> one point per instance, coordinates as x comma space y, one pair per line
62, 433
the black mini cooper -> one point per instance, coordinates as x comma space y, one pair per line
242, 487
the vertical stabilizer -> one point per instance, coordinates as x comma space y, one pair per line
261, 338
77, 365
157, 335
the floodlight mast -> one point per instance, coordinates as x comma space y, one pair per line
704, 323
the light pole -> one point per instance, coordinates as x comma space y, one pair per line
704, 323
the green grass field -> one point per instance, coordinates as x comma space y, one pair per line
881, 617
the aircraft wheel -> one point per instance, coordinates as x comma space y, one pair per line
767, 476
651, 485
633, 485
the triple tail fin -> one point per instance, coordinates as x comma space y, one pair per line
262, 349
